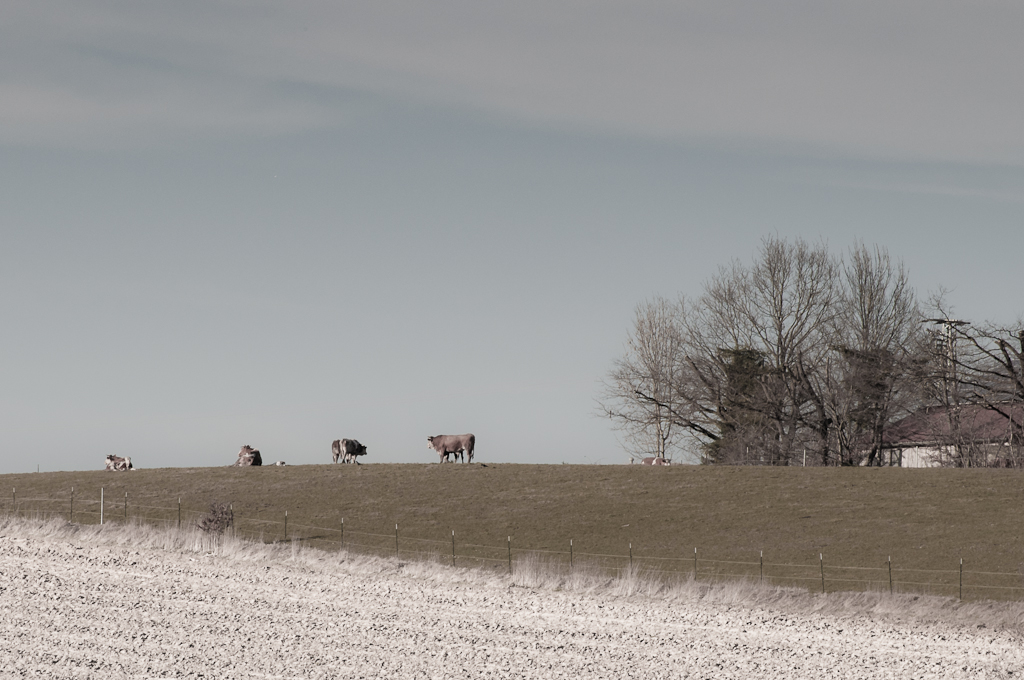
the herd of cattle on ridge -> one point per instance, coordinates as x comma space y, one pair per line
349, 450
345, 450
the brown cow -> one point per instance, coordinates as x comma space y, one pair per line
248, 456
456, 444
118, 463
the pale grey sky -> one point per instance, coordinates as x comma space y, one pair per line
280, 223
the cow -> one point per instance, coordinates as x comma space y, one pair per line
248, 456
117, 463
280, 462
656, 461
347, 450
456, 444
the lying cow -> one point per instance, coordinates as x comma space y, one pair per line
452, 444
117, 463
655, 461
347, 450
248, 456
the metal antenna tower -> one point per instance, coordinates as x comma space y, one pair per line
949, 327
950, 380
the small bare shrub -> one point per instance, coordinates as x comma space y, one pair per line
220, 518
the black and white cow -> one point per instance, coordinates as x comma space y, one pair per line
347, 450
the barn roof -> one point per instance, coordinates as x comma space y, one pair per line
978, 423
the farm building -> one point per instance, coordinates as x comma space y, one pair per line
972, 436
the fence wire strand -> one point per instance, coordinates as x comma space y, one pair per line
703, 568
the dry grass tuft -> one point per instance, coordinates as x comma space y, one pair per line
534, 572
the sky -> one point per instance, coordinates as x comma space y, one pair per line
283, 223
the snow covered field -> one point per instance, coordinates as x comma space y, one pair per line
144, 603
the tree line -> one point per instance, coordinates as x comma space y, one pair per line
804, 357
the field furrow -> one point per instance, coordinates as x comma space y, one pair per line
95, 606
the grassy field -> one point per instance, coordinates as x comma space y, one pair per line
854, 517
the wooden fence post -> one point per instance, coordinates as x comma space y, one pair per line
510, 555
762, 566
890, 574
453, 547
961, 578
396, 540
71, 512
694, 564
126, 507
342, 533
179, 513
570, 555
101, 506
821, 563
631, 557
286, 525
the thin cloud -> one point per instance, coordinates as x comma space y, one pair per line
901, 80
925, 188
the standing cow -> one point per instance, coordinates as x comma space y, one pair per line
456, 444
347, 450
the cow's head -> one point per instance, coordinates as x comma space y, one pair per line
430, 442
127, 463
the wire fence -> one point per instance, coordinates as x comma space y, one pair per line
822, 576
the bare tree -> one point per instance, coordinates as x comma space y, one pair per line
764, 328
729, 373
795, 353
639, 394
870, 375
986, 367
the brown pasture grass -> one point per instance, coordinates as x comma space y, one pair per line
855, 517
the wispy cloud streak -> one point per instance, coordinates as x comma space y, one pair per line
904, 80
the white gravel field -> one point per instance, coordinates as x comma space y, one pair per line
126, 603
